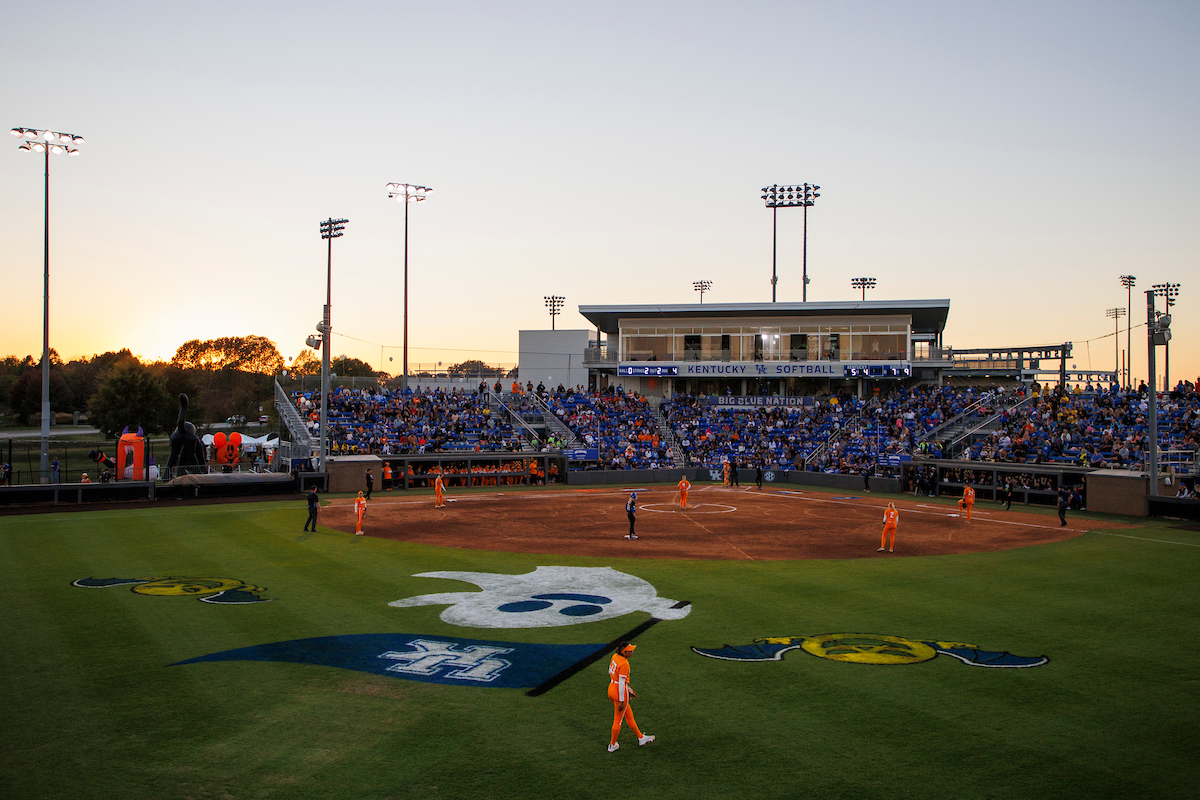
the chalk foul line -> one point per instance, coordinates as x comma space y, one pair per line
1147, 539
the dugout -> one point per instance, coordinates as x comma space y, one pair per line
1033, 484
767, 349
474, 469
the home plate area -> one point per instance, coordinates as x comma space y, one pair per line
719, 523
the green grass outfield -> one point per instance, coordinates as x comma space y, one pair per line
91, 708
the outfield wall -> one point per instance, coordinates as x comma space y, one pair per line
630, 477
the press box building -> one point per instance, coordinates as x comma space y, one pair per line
765, 349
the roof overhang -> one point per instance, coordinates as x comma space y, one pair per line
928, 316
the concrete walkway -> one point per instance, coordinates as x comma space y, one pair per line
57, 430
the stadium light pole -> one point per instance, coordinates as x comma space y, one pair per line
1115, 314
330, 229
555, 304
408, 194
702, 287
864, 284
1129, 281
777, 197
1167, 291
36, 140
1158, 331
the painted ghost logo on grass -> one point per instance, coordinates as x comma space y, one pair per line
222, 591
545, 598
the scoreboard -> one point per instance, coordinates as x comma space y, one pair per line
877, 370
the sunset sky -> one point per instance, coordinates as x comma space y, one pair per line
1016, 158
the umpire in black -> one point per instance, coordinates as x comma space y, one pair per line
313, 504
370, 483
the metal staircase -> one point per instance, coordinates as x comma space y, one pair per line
524, 429
556, 425
303, 445
666, 435
852, 425
988, 425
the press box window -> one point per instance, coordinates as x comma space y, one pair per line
799, 347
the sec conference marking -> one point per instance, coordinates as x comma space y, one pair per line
221, 591
869, 648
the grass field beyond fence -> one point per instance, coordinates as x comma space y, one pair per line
93, 710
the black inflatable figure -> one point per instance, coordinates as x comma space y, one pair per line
186, 448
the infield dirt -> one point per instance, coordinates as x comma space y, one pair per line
719, 523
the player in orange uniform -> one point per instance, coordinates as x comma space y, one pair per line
890, 517
438, 488
968, 500
683, 490
620, 692
360, 513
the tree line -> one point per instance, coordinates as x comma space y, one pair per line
223, 377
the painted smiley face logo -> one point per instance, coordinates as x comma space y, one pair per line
545, 598
583, 605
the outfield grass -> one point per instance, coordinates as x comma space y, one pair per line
93, 710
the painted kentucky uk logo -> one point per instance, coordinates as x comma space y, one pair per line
547, 597
429, 659
869, 648
223, 591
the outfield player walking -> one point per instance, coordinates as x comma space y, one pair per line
438, 489
890, 518
631, 512
620, 692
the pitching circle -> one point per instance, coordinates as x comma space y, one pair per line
867, 648
697, 508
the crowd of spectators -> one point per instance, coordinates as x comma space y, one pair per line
839, 433
1093, 426
1097, 427
622, 426
1087, 426
386, 422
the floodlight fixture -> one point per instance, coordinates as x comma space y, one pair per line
864, 284
333, 228
795, 196
702, 287
407, 193
52, 143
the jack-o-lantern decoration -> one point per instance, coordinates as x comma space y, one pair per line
226, 449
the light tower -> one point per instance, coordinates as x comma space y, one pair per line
1115, 314
555, 304
864, 284
50, 143
702, 287
1129, 281
330, 229
408, 194
777, 197
1167, 291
